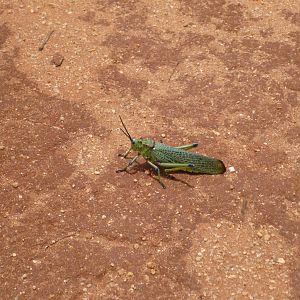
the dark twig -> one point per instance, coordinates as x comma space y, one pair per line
60, 239
244, 207
173, 71
46, 40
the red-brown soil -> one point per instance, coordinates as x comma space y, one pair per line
222, 73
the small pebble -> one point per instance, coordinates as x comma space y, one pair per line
259, 234
2, 147
281, 260
14, 254
57, 59
152, 271
135, 180
89, 236
150, 265
231, 169
163, 135
129, 274
136, 246
15, 184
36, 262
97, 172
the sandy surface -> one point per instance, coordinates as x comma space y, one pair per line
222, 73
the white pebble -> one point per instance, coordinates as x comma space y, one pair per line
231, 169
281, 260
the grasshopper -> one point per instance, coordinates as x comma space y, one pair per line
171, 159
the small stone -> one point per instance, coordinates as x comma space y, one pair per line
150, 265
121, 272
147, 172
2, 147
281, 260
135, 180
231, 169
144, 238
136, 246
24, 276
56, 89
97, 172
36, 261
148, 183
219, 225
89, 236
84, 289
14, 254
57, 59
129, 274
89, 285
34, 287
163, 135
259, 234
152, 271
15, 184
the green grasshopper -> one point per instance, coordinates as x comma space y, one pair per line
171, 159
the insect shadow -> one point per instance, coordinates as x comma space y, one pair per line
143, 166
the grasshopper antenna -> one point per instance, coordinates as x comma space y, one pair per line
126, 131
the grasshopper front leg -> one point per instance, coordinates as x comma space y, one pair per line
126, 153
129, 164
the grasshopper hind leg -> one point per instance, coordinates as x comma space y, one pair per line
187, 147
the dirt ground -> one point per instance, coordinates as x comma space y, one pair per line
222, 73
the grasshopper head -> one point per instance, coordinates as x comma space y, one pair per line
142, 144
